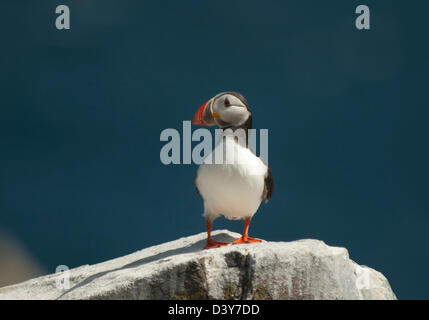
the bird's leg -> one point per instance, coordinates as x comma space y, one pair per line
210, 242
245, 237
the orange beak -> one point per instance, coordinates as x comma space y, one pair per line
205, 115
199, 116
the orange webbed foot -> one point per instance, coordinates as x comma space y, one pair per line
246, 239
211, 244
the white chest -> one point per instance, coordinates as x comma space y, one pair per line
233, 188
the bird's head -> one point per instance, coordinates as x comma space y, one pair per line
226, 109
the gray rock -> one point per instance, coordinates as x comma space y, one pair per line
180, 269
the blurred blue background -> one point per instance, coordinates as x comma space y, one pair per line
347, 111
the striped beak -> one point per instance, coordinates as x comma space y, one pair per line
205, 115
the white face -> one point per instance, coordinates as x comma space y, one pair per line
232, 111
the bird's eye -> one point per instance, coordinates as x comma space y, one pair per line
226, 102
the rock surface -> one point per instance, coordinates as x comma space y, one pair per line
180, 269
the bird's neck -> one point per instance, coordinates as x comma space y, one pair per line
245, 127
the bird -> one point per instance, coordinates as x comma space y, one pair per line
235, 186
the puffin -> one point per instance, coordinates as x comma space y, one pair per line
235, 186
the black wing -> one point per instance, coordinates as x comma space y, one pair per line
269, 186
